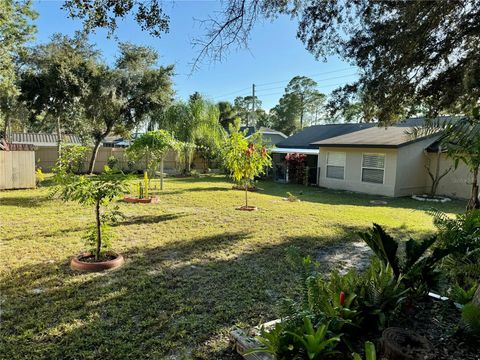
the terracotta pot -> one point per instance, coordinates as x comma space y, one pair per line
247, 208
77, 264
134, 200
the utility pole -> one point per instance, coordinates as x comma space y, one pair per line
253, 102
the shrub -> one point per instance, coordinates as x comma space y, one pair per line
71, 161
296, 167
112, 162
39, 177
471, 318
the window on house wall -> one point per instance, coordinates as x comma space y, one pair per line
336, 165
373, 168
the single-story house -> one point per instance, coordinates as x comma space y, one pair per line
386, 161
302, 143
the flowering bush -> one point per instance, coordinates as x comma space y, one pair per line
296, 167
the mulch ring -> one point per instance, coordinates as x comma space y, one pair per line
438, 321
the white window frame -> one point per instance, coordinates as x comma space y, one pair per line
373, 168
344, 154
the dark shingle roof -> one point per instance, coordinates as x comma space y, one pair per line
39, 139
311, 134
383, 137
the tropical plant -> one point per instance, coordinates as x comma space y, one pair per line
471, 318
414, 266
286, 342
194, 123
370, 352
39, 177
460, 295
245, 158
462, 235
151, 148
98, 191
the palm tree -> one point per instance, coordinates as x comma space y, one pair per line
192, 123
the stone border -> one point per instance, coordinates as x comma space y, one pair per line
441, 199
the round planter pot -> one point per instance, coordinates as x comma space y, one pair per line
77, 264
134, 200
247, 208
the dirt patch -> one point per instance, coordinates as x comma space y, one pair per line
346, 256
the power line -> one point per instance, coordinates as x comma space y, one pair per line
311, 75
282, 81
331, 78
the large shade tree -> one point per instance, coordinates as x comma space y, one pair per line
123, 97
56, 79
16, 29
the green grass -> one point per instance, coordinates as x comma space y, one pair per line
194, 267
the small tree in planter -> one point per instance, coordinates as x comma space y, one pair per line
152, 147
245, 159
97, 191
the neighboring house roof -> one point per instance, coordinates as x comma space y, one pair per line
250, 130
262, 130
305, 151
375, 137
305, 138
39, 139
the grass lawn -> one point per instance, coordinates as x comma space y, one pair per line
194, 267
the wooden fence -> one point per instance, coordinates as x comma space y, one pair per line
17, 170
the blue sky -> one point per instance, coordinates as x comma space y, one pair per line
274, 55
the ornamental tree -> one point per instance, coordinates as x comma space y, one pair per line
151, 147
98, 191
245, 158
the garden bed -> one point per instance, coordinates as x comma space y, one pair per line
429, 198
435, 321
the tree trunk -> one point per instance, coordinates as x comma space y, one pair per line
246, 195
91, 166
6, 128
474, 202
99, 230
59, 137
161, 173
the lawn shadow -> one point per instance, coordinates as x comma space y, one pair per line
344, 197
149, 219
176, 300
25, 201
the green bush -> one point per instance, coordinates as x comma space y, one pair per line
471, 318
412, 261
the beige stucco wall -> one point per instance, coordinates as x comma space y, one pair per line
411, 173
457, 183
353, 171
